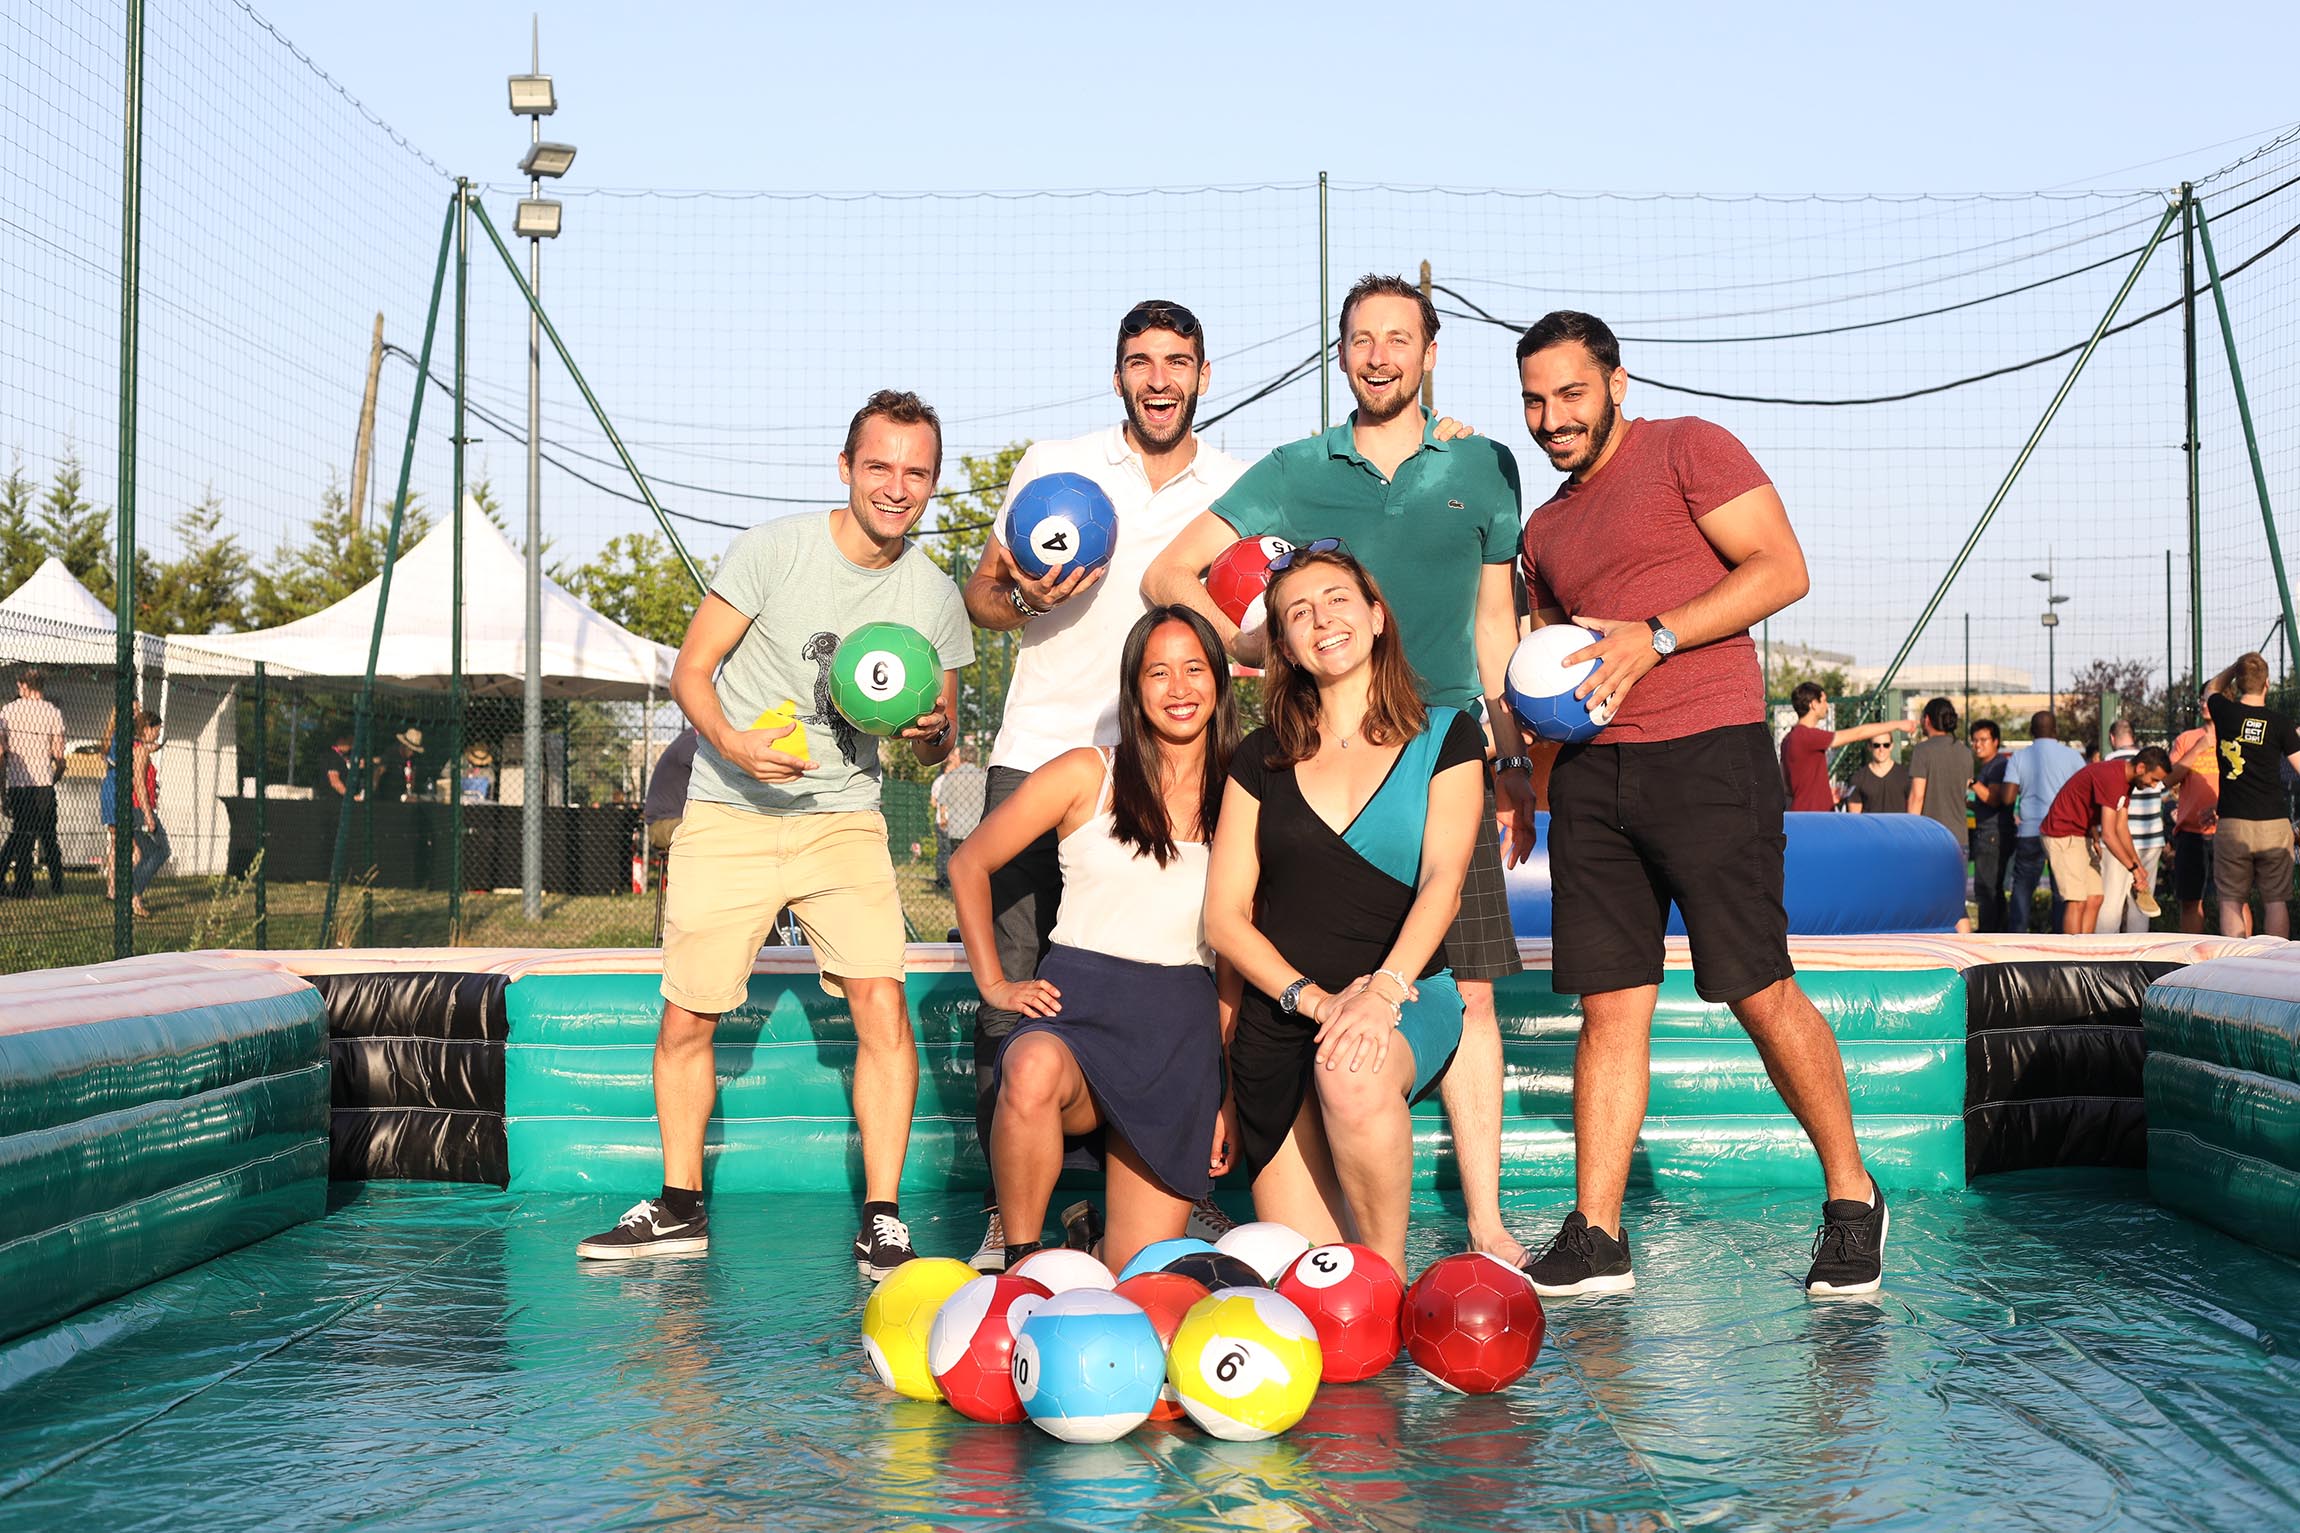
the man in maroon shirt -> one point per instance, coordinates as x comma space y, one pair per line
1805, 748
2094, 802
1670, 543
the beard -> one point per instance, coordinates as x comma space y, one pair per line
1374, 415
1593, 446
1150, 436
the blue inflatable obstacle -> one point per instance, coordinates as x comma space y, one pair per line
1846, 875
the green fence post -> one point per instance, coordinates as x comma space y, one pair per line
124, 553
2251, 437
263, 793
455, 701
2194, 449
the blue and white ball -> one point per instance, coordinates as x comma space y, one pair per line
1060, 522
1540, 685
1154, 1256
1088, 1366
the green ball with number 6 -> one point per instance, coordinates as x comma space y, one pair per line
885, 677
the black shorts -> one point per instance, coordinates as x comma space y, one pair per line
2191, 866
1695, 821
1481, 944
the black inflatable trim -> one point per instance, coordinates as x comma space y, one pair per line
2053, 1059
416, 1078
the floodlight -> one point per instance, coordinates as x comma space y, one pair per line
532, 96
2040, 575
548, 160
2052, 620
537, 219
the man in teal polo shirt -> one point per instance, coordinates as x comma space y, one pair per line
1436, 521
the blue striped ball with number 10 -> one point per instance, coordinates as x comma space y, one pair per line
1088, 1366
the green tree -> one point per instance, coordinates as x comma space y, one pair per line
339, 558
20, 549
637, 581
75, 531
203, 589
2134, 681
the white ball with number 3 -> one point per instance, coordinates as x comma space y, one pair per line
1245, 1364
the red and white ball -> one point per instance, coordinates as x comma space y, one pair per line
1473, 1323
970, 1350
1239, 575
1356, 1301
1165, 1297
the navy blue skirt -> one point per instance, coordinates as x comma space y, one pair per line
1148, 1039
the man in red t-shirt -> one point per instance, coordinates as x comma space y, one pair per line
1805, 748
1669, 541
2093, 802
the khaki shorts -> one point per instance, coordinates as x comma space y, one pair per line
2075, 868
733, 870
2253, 857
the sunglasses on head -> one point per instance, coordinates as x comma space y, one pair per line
1321, 546
1159, 314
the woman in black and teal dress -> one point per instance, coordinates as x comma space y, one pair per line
1337, 867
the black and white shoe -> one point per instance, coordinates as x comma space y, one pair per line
1207, 1221
649, 1229
1082, 1227
883, 1245
1582, 1260
990, 1257
1849, 1251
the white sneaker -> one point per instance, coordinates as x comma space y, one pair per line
991, 1257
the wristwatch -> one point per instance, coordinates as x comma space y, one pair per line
1290, 998
1015, 600
1503, 764
1664, 642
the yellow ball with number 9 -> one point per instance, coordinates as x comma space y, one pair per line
1245, 1364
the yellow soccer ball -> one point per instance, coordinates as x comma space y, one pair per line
786, 712
899, 1317
1245, 1364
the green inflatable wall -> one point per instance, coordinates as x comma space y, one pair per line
579, 1103
2223, 1089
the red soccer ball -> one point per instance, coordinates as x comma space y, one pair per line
1356, 1302
1473, 1323
1165, 1297
970, 1349
1237, 578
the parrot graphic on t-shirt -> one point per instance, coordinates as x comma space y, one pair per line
820, 648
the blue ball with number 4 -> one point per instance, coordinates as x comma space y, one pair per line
1060, 522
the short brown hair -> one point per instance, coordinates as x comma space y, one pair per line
901, 407
1374, 285
1394, 711
2251, 672
30, 677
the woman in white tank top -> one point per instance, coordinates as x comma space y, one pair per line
1118, 1059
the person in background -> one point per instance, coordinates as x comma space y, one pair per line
2144, 821
32, 729
2252, 852
151, 835
2085, 828
666, 801
2036, 776
957, 798
1992, 843
407, 783
2195, 818
1940, 775
341, 777
1805, 748
1881, 785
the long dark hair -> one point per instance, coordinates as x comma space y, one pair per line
1394, 709
1137, 807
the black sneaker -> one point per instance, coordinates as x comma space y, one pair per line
1849, 1251
1582, 1260
1207, 1221
990, 1257
1082, 1227
649, 1229
883, 1245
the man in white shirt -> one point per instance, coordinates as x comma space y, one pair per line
33, 731
2034, 778
1159, 477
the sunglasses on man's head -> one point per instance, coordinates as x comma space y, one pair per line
1321, 546
1158, 314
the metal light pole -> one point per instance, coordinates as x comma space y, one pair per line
533, 98
2051, 621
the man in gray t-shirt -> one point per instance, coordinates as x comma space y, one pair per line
1940, 770
783, 810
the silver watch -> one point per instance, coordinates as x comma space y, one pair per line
1664, 642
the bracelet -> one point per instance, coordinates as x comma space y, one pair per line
1014, 599
1405, 986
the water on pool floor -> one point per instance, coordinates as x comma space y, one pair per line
2051, 1352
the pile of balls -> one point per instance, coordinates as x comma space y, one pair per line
1237, 1336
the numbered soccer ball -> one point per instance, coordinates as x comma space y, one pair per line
1154, 1256
1060, 522
1237, 579
1216, 1270
1165, 1297
1473, 1323
1245, 1364
1062, 1269
1540, 685
1088, 1366
885, 677
970, 1346
1267, 1247
900, 1317
1356, 1302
